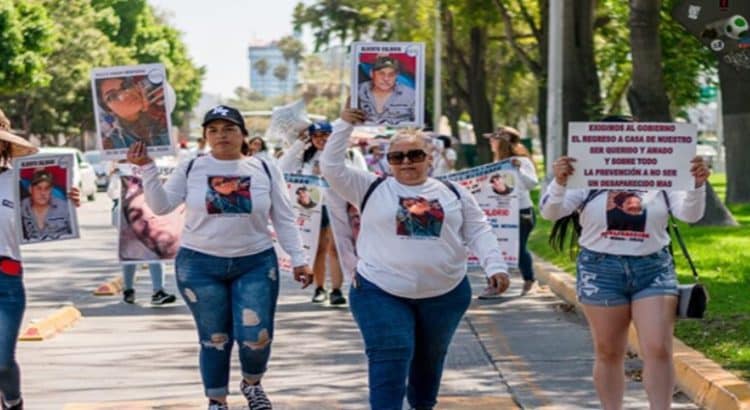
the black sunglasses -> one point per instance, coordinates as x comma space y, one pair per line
414, 155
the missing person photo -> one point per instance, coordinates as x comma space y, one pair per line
419, 217
228, 195
625, 212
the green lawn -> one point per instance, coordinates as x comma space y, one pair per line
722, 257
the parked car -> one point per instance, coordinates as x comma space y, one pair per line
101, 168
84, 176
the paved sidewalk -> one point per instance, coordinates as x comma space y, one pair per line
530, 352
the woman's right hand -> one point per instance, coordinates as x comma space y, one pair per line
353, 116
138, 155
563, 168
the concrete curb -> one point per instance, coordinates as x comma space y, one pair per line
110, 288
51, 325
704, 381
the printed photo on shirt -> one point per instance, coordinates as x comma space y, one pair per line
625, 211
130, 105
388, 82
228, 194
502, 183
307, 198
419, 217
45, 212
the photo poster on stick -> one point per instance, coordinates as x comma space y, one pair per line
632, 155
130, 105
493, 186
144, 236
44, 211
306, 193
388, 83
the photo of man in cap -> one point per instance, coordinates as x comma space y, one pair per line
43, 216
383, 98
304, 199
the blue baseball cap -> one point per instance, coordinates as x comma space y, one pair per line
320, 127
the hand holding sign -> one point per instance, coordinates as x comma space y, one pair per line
287, 121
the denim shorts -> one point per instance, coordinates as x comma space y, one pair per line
611, 280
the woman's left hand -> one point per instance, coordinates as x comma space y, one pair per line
304, 275
500, 282
75, 195
700, 171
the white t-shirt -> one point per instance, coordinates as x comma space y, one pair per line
623, 222
9, 246
228, 204
412, 241
528, 180
440, 165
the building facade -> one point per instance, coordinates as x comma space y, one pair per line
264, 59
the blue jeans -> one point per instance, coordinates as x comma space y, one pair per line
230, 299
157, 276
525, 264
406, 338
12, 306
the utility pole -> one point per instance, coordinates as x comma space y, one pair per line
437, 103
555, 85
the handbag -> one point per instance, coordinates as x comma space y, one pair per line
693, 297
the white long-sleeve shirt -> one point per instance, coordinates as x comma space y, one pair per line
9, 246
637, 228
213, 224
528, 180
399, 257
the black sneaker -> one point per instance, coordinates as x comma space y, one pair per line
337, 298
162, 298
256, 397
17, 406
320, 295
128, 296
215, 405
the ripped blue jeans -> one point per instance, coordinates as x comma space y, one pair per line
230, 299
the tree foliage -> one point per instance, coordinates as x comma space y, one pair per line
26, 39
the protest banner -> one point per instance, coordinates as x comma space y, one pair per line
144, 236
45, 213
493, 187
130, 105
645, 156
307, 193
388, 83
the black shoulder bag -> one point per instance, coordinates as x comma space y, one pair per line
693, 297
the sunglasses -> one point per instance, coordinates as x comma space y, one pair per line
414, 155
114, 95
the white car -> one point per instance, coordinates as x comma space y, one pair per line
84, 176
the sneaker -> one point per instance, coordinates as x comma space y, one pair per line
17, 406
527, 286
162, 298
489, 293
336, 298
256, 397
320, 295
128, 296
215, 405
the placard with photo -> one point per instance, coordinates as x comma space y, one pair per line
130, 106
388, 83
45, 212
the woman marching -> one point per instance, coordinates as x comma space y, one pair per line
625, 273
303, 157
506, 144
226, 267
12, 293
408, 305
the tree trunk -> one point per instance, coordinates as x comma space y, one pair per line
736, 117
647, 95
479, 105
581, 90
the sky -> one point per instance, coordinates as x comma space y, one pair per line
217, 33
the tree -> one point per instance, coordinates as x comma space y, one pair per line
292, 49
261, 66
281, 72
648, 95
26, 39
